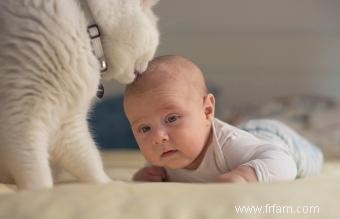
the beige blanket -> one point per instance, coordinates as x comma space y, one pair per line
315, 197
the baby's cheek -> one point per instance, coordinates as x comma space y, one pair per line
197, 146
189, 142
150, 155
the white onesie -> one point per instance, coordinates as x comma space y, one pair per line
276, 152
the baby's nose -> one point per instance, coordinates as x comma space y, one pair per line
160, 136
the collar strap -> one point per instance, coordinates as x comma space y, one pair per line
94, 34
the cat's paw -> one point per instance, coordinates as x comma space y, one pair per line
105, 179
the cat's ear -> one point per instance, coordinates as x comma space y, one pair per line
147, 4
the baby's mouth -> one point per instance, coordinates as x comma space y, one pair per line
168, 153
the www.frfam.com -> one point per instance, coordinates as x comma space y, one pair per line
276, 209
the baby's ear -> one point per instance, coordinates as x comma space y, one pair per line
209, 106
147, 4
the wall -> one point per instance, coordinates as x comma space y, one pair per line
253, 50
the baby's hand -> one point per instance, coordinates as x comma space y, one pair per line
231, 178
151, 174
239, 175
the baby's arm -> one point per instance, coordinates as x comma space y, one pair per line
151, 174
239, 174
270, 165
264, 161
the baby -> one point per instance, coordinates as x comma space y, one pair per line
171, 113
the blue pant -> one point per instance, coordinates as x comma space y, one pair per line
307, 156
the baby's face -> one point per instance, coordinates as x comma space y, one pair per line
171, 127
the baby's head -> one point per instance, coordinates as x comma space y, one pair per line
170, 112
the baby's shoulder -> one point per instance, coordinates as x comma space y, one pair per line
227, 134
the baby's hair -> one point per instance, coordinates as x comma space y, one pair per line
163, 69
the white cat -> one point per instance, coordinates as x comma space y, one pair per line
49, 75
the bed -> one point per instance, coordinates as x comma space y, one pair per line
314, 197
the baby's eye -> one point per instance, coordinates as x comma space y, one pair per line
144, 129
171, 118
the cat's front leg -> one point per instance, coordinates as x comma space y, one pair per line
78, 154
27, 160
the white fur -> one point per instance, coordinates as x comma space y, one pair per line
49, 75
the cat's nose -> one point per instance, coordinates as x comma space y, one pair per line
141, 66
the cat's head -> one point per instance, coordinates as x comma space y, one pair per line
129, 35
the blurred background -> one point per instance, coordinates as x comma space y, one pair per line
250, 51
